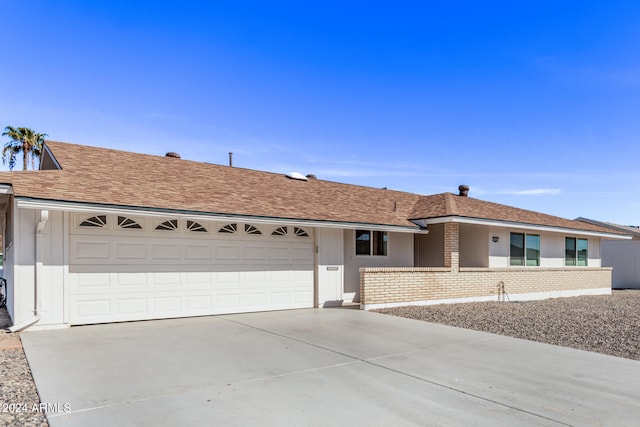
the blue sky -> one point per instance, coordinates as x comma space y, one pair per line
532, 104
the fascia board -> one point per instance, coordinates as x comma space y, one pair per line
519, 225
30, 203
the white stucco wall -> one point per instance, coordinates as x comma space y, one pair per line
23, 269
552, 248
429, 248
48, 298
400, 254
474, 246
624, 257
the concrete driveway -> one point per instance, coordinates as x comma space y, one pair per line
321, 367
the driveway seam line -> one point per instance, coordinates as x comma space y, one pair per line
370, 362
202, 388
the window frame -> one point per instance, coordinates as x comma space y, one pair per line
377, 243
525, 260
575, 259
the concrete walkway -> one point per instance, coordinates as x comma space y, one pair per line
321, 367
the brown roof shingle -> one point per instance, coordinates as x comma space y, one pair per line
450, 205
105, 176
112, 177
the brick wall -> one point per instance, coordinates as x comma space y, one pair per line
395, 285
451, 245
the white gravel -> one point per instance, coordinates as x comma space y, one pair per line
608, 324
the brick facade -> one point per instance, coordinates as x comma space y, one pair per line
452, 245
399, 285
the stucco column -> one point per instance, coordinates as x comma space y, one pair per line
451, 245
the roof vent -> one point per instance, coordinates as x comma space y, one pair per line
172, 154
311, 176
464, 190
296, 175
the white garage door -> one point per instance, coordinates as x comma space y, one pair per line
124, 268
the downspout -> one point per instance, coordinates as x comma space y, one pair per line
44, 217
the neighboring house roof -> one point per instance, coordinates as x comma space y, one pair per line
117, 178
631, 230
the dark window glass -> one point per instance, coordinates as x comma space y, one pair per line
516, 252
533, 250
363, 242
569, 251
380, 242
583, 252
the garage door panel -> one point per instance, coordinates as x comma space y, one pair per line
198, 279
90, 282
165, 280
167, 304
165, 252
198, 302
303, 254
254, 276
120, 279
253, 253
197, 252
228, 300
256, 299
227, 253
130, 251
93, 308
127, 306
124, 281
279, 254
90, 250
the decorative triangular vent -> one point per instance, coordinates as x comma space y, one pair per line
169, 225
95, 221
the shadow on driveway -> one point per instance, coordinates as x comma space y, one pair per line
321, 367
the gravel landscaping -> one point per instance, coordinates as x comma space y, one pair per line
608, 324
18, 396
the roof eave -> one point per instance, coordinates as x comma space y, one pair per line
514, 224
60, 205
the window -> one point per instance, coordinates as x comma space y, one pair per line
95, 221
300, 232
371, 242
229, 228
124, 222
525, 249
280, 231
194, 226
250, 229
170, 225
576, 252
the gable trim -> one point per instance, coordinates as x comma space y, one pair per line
46, 153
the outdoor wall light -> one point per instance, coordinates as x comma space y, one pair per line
495, 239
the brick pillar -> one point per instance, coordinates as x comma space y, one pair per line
451, 245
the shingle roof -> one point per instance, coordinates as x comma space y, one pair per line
112, 177
449, 205
105, 176
627, 229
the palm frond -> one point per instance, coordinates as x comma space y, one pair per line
23, 140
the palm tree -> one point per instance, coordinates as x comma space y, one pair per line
23, 140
